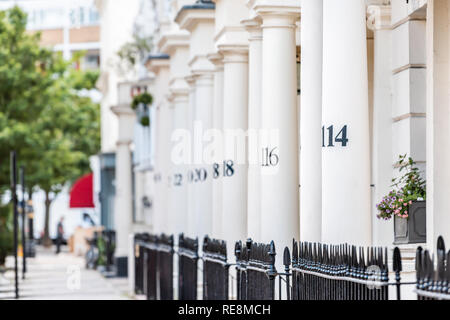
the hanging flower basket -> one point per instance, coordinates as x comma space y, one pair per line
143, 98
140, 103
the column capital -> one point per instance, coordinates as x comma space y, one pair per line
234, 53
379, 17
178, 94
253, 27
203, 78
124, 142
278, 14
216, 59
190, 79
122, 110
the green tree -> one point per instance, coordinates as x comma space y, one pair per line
25, 78
66, 134
45, 114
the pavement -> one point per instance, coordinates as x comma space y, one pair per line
60, 277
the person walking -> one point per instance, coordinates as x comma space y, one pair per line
59, 235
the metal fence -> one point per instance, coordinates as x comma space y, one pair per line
339, 272
146, 265
165, 266
314, 271
256, 272
215, 269
110, 245
433, 283
187, 268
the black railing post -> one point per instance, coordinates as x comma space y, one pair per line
272, 272
24, 242
287, 263
13, 166
397, 267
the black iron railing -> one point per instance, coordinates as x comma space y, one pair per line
433, 283
187, 268
165, 266
314, 271
343, 272
215, 270
256, 272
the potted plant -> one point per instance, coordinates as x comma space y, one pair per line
140, 104
406, 204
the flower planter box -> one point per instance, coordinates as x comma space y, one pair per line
413, 229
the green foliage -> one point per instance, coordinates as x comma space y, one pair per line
144, 98
26, 76
6, 233
101, 245
407, 188
411, 183
135, 51
45, 113
145, 121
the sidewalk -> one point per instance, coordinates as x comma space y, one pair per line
60, 277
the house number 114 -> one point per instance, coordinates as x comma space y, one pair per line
329, 139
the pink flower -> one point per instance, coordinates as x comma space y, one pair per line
405, 204
406, 212
410, 201
401, 200
397, 211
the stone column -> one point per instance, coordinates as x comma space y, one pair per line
438, 122
217, 60
123, 199
179, 199
159, 65
202, 175
379, 18
345, 120
253, 27
311, 121
279, 179
191, 215
233, 170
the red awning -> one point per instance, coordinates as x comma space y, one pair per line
82, 195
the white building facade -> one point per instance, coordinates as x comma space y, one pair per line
327, 94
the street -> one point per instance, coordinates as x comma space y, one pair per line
60, 277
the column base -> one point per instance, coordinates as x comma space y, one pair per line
121, 267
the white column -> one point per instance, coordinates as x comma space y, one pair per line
253, 27
179, 199
234, 173
379, 22
311, 121
217, 203
123, 198
158, 216
204, 92
131, 265
279, 180
438, 122
163, 186
191, 211
345, 117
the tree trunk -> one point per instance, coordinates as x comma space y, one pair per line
47, 242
